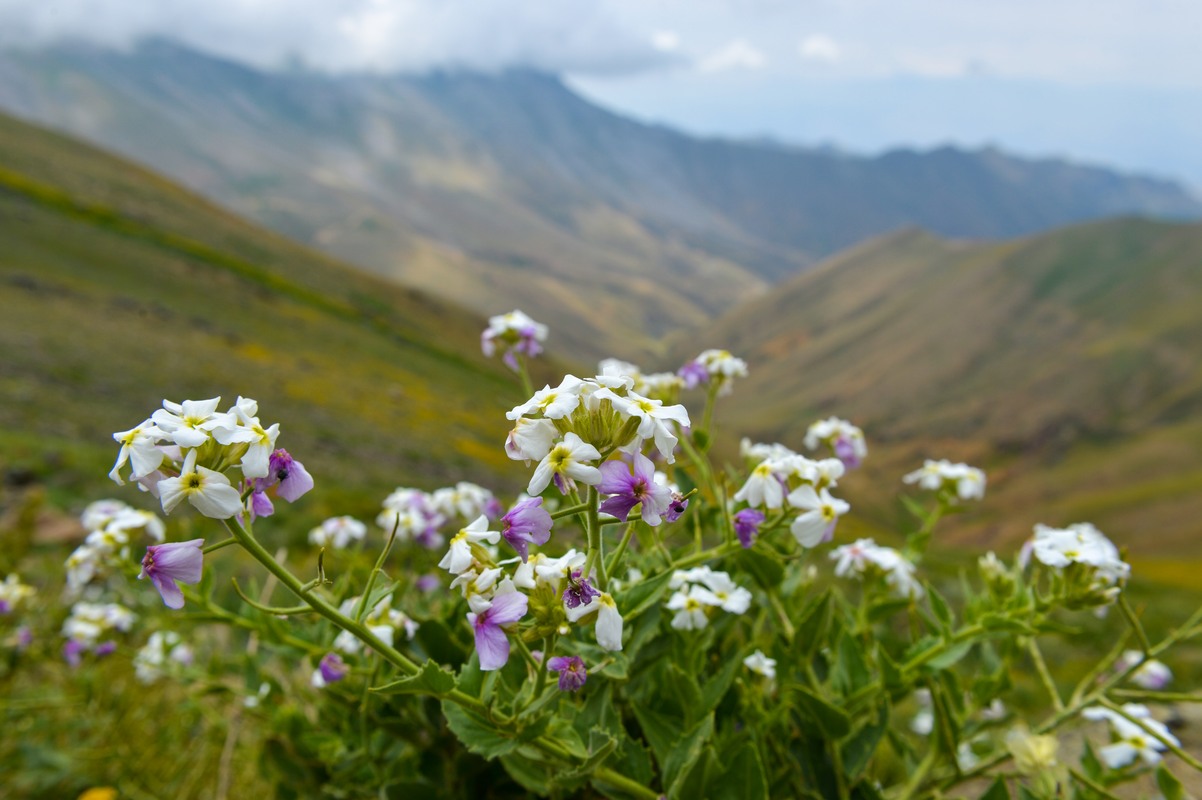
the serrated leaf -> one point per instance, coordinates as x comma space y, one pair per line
832, 720
431, 679
861, 747
686, 750
476, 735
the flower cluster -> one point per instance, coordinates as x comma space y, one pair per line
785, 476
382, 620
514, 334
1090, 568
701, 592
845, 440
88, 624
164, 652
664, 386
1149, 674
421, 516
867, 560
185, 450
951, 480
713, 368
13, 594
338, 533
576, 425
112, 528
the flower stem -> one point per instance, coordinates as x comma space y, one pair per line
361, 608
215, 546
616, 558
1044, 675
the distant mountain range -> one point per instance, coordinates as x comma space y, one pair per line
119, 289
1066, 364
509, 190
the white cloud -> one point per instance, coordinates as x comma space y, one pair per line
665, 41
738, 54
820, 47
578, 36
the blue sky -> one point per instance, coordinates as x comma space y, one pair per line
1110, 81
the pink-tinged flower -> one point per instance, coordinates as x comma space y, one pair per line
694, 374
579, 591
492, 645
572, 672
526, 523
428, 583
629, 489
747, 525
845, 451
104, 649
289, 475
330, 669
260, 505
167, 563
73, 651
676, 507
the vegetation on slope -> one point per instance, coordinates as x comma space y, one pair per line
121, 289
1065, 364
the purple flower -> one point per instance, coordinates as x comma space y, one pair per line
492, 645
526, 523
260, 505
293, 480
676, 507
330, 669
167, 563
428, 583
694, 374
747, 525
572, 673
845, 451
4, 609
629, 489
24, 638
579, 591
105, 649
73, 652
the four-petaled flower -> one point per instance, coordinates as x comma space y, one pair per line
567, 461
526, 523
572, 672
492, 645
628, 490
167, 563
209, 491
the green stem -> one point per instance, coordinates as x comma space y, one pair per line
1134, 622
215, 546
564, 512
721, 550
524, 375
274, 610
616, 558
1097, 788
919, 774
1044, 675
361, 607
593, 528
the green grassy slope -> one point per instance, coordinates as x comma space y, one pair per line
120, 289
1067, 364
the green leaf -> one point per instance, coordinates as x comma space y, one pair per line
851, 671
1168, 784
436, 639
993, 621
530, 775
997, 790
686, 751
940, 609
383, 588
887, 608
1089, 762
767, 571
811, 629
891, 674
832, 720
431, 679
635, 600
716, 687
861, 747
477, 735
660, 730
683, 687
743, 778
949, 656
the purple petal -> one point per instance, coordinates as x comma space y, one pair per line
492, 645
559, 663
172, 596
297, 482
261, 505
619, 505
615, 478
507, 608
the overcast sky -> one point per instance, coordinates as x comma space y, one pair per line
1116, 81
